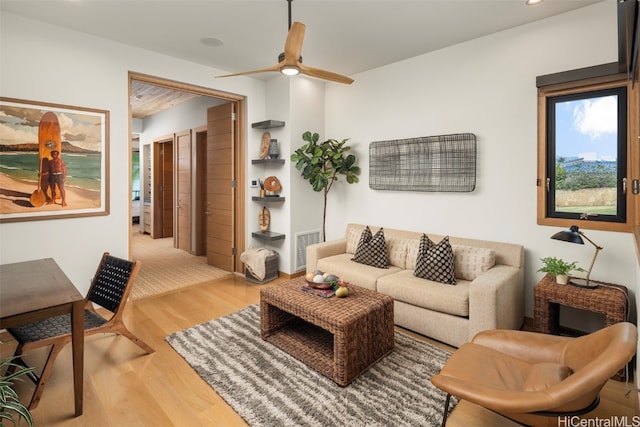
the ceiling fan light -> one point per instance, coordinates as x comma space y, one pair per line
290, 70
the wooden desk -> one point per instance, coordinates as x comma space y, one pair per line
35, 290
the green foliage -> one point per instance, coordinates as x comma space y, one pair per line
9, 401
597, 176
322, 163
557, 266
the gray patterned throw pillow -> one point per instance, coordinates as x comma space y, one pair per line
435, 261
371, 250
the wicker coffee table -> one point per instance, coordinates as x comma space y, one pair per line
338, 337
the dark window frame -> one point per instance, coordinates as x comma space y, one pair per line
578, 86
622, 137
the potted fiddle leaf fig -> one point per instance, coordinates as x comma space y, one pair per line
321, 163
9, 402
559, 268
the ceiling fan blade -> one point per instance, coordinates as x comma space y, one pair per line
293, 45
325, 75
261, 70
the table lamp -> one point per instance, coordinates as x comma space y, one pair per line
574, 235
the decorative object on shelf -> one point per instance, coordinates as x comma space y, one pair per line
274, 149
263, 192
264, 146
559, 268
272, 185
264, 218
432, 163
574, 235
322, 163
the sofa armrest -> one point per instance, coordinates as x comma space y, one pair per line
318, 251
496, 299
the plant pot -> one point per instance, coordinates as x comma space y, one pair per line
562, 279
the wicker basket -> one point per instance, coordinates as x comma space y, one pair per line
271, 270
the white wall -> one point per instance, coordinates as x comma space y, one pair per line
51, 64
487, 87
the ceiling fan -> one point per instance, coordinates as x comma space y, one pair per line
290, 62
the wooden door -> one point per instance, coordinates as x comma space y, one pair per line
163, 188
220, 182
183, 186
167, 189
199, 204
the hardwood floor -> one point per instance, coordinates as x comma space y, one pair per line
125, 387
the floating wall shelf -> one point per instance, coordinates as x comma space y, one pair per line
267, 235
267, 161
267, 199
268, 124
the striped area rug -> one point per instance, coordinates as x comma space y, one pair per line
267, 387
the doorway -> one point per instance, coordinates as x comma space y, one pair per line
237, 226
162, 198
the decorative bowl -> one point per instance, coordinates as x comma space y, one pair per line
321, 285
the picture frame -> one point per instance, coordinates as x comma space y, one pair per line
36, 183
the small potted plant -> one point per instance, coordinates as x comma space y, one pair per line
9, 402
559, 268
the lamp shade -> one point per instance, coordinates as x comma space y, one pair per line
572, 235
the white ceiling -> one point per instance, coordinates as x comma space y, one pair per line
344, 36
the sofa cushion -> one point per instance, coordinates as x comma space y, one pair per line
435, 261
412, 253
404, 286
371, 250
470, 262
353, 237
352, 272
397, 251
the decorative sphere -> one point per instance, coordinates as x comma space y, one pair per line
331, 278
318, 278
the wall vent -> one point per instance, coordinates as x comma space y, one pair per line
304, 239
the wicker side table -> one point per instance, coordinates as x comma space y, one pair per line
338, 337
609, 299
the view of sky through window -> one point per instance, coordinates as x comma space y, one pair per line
588, 128
586, 154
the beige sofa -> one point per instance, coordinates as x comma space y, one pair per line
488, 294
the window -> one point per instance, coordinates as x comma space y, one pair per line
586, 155
583, 151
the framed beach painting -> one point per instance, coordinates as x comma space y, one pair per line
54, 161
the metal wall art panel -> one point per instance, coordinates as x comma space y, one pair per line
443, 163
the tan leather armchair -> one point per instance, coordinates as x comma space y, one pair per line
533, 378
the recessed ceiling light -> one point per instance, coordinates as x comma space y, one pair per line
211, 42
532, 2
